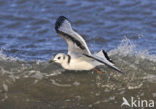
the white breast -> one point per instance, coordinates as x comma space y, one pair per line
78, 64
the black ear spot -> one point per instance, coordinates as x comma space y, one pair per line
63, 57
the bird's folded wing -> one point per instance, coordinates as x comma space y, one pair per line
107, 63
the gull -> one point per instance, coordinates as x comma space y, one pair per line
79, 56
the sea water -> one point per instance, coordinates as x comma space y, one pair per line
125, 29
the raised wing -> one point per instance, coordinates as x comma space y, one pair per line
76, 44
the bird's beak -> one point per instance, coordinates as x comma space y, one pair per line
51, 61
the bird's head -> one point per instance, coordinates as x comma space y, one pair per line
59, 58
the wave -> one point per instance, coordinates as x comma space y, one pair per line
126, 54
128, 48
139, 66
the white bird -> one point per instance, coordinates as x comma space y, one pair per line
79, 56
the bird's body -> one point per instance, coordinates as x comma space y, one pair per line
71, 63
79, 57
79, 64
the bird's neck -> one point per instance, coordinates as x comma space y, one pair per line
67, 61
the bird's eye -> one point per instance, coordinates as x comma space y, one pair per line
58, 57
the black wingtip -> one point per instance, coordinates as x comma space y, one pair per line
59, 22
113, 67
107, 57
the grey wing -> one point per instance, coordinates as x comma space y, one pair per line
76, 44
104, 61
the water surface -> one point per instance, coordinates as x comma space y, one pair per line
125, 29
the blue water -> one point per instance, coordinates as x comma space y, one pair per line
27, 27
125, 29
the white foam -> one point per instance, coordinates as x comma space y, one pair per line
145, 55
5, 87
128, 48
58, 84
36, 74
4, 57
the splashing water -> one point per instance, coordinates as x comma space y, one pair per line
40, 79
